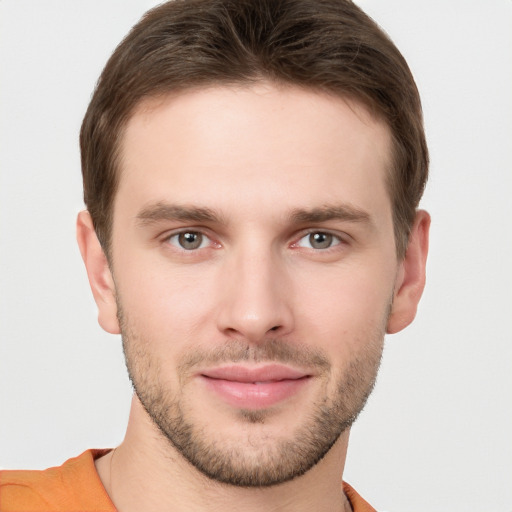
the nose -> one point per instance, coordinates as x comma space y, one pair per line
256, 303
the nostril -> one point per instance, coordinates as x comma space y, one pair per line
275, 328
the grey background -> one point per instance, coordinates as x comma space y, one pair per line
436, 432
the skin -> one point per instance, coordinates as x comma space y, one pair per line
266, 160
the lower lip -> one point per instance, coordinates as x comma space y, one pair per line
250, 395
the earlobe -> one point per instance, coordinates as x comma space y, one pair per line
410, 280
98, 272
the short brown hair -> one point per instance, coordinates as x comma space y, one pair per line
324, 45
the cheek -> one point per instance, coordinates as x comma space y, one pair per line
343, 309
355, 289
163, 299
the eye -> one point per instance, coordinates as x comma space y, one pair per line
318, 240
189, 240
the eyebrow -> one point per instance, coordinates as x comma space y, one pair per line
326, 213
168, 212
162, 211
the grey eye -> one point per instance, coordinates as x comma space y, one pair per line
320, 240
189, 240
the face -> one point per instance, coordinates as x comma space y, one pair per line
254, 266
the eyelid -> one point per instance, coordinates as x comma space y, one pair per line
342, 238
166, 238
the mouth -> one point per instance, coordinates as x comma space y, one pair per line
254, 388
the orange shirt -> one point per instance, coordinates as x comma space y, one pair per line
76, 487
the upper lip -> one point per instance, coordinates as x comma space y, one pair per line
267, 373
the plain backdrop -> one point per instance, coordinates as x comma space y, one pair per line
436, 434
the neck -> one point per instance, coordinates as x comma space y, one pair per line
146, 473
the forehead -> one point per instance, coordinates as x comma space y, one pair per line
254, 146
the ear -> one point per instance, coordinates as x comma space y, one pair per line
98, 272
411, 276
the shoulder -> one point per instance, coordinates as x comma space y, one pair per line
358, 504
74, 486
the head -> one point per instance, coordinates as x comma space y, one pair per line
330, 46
252, 172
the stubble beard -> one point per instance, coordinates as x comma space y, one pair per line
277, 460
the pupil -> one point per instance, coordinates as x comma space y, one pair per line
190, 240
320, 240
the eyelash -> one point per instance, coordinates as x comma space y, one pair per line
334, 240
205, 238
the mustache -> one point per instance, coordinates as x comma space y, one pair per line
268, 351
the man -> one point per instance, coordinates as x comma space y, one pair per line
252, 172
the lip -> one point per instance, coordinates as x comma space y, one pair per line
254, 387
